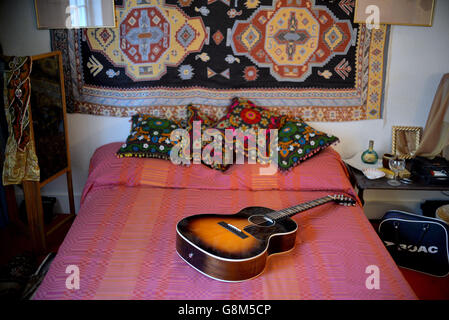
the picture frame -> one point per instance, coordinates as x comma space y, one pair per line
397, 12
69, 14
405, 141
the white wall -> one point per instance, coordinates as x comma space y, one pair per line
18, 30
419, 56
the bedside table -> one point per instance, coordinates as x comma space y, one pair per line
362, 183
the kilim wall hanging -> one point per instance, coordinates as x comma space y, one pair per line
299, 57
20, 153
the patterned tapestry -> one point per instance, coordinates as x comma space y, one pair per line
304, 58
20, 153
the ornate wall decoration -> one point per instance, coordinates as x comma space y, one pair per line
20, 154
299, 57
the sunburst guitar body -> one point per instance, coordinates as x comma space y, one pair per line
236, 247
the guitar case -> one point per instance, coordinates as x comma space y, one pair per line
416, 242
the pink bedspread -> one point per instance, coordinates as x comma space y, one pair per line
123, 239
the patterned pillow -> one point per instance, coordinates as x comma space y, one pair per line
245, 115
194, 114
297, 141
208, 156
149, 138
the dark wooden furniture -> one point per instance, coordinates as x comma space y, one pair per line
362, 183
49, 133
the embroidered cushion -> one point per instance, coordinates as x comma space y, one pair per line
149, 138
297, 141
245, 115
213, 152
197, 148
195, 114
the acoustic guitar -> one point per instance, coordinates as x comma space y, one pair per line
236, 247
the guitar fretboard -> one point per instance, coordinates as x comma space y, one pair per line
289, 212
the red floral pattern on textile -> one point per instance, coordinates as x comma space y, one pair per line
250, 73
244, 115
250, 116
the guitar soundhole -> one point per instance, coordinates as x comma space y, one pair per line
261, 220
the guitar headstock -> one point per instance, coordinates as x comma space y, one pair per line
343, 200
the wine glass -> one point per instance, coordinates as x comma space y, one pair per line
396, 165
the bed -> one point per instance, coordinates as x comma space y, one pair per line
123, 239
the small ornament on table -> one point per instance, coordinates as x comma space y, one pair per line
370, 156
396, 165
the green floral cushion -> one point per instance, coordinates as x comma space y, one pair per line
297, 141
149, 138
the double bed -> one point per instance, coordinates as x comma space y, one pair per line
123, 241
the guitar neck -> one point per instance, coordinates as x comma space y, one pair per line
290, 212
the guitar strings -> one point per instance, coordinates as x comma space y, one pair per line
276, 215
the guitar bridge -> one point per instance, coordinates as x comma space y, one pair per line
233, 229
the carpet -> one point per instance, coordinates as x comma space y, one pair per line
304, 58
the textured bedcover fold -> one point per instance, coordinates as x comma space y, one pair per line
123, 239
324, 171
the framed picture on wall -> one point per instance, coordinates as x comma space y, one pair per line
398, 12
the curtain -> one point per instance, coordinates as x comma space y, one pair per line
436, 132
